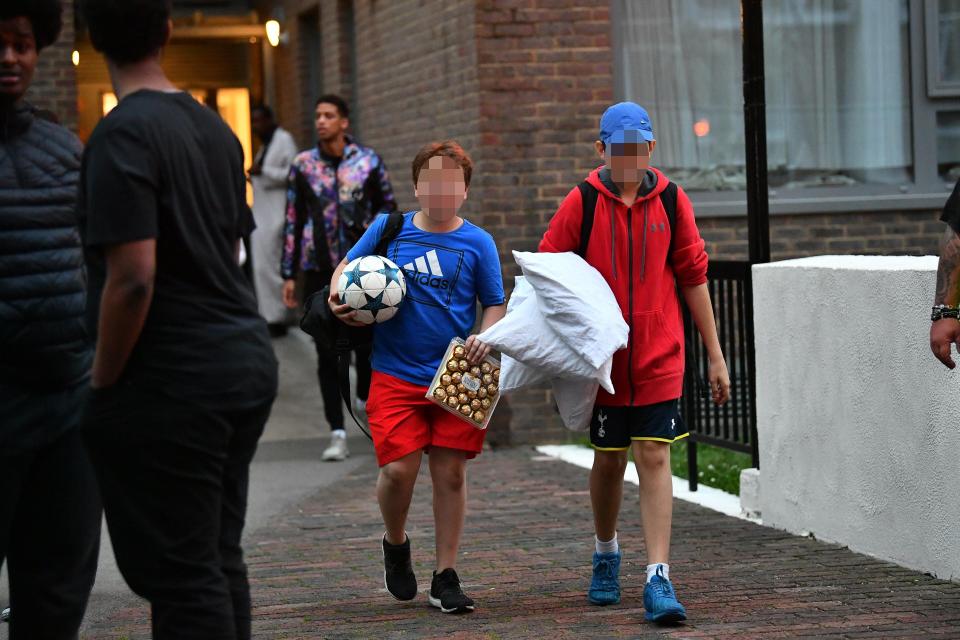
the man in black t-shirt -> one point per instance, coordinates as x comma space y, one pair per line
184, 375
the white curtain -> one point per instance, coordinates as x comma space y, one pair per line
837, 88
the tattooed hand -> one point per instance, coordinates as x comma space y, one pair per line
945, 333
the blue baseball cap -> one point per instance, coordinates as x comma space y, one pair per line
625, 122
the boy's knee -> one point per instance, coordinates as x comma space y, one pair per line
651, 454
398, 474
612, 462
451, 477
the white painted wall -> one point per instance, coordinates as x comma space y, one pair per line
859, 425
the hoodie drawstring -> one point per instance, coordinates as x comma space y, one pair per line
643, 250
613, 237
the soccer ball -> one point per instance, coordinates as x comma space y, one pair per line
374, 287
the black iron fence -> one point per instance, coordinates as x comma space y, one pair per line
732, 426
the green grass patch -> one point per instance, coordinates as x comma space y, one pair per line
716, 467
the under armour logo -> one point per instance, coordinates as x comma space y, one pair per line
601, 418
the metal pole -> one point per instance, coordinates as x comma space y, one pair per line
758, 205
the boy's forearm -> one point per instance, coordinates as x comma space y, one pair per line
491, 316
948, 271
336, 275
698, 301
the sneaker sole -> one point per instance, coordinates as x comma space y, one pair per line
666, 618
392, 594
335, 458
603, 603
435, 602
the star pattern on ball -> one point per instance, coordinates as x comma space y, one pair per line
392, 274
374, 304
354, 275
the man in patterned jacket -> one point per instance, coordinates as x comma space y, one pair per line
342, 186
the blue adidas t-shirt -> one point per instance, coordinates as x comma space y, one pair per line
446, 273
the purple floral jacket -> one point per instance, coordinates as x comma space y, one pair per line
345, 198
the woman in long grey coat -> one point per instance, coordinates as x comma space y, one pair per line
269, 178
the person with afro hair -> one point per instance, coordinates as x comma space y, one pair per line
49, 504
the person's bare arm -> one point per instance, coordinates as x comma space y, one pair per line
698, 301
127, 294
476, 350
946, 332
342, 311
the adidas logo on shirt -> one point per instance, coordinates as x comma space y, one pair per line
426, 270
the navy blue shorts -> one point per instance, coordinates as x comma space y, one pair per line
614, 428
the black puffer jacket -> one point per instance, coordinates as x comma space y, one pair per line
44, 345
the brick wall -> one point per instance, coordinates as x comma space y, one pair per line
797, 236
545, 75
54, 84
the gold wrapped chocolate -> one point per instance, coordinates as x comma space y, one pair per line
475, 405
486, 367
485, 403
459, 352
496, 375
471, 394
482, 393
475, 372
478, 417
461, 388
466, 410
487, 378
446, 379
457, 377
463, 399
492, 390
452, 402
451, 390
464, 366
453, 365
439, 393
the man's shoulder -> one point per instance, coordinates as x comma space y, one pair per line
361, 153
477, 235
306, 156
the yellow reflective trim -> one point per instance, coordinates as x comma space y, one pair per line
667, 440
608, 448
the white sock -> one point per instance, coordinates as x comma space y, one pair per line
611, 546
339, 433
652, 570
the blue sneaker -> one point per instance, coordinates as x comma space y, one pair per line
660, 600
605, 585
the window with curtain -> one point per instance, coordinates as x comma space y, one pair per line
837, 87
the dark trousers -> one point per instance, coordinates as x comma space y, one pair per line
313, 281
49, 536
174, 481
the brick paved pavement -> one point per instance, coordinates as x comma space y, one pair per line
317, 572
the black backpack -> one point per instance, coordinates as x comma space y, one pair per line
589, 194
319, 322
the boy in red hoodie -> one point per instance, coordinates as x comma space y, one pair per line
645, 257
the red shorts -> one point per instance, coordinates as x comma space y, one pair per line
402, 420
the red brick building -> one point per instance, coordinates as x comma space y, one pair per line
522, 83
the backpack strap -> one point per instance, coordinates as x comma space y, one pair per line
588, 197
668, 198
391, 229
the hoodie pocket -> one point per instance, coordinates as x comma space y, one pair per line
656, 348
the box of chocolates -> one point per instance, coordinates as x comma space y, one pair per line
469, 390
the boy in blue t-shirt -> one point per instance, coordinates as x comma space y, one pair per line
449, 264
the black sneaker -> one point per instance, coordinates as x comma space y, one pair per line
398, 575
446, 593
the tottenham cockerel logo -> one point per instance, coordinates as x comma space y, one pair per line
601, 418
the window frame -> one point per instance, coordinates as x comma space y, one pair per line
936, 88
926, 191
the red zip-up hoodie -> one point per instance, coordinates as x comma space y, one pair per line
629, 247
